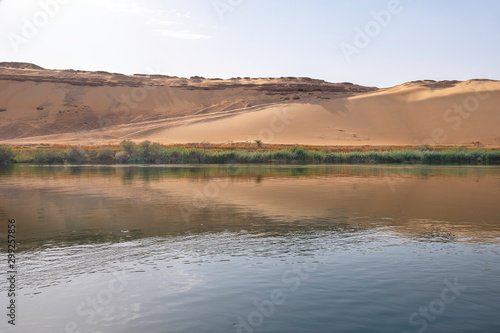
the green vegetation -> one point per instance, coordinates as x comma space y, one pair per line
129, 147
105, 156
6, 155
154, 153
49, 157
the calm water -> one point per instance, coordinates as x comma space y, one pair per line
253, 249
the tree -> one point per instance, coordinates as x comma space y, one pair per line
149, 152
130, 147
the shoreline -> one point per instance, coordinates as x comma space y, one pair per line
131, 153
251, 146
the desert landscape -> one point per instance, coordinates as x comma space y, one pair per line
73, 107
250, 166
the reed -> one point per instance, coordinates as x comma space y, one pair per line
6, 155
154, 153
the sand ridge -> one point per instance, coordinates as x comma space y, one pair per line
95, 108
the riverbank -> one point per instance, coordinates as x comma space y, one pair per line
146, 152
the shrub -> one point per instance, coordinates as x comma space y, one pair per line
492, 157
335, 158
105, 155
23, 157
283, 155
122, 157
6, 155
299, 153
153, 153
136, 160
49, 157
195, 156
76, 156
424, 148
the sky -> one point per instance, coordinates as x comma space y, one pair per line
369, 42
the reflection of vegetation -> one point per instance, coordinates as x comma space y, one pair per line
247, 172
156, 215
154, 153
6, 170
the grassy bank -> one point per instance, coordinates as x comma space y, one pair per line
154, 153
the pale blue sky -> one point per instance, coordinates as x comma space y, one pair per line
422, 39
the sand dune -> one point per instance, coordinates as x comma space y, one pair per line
77, 107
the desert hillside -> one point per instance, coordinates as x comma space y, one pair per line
94, 108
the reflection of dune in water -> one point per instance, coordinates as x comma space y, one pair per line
97, 204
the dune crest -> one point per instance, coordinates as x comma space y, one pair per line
95, 108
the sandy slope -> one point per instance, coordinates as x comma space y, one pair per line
76, 107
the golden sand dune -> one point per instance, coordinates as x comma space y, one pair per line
93, 108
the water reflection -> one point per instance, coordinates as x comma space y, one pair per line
200, 246
96, 204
